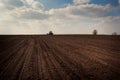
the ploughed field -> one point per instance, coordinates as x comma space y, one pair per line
67, 57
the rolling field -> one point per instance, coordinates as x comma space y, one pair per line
67, 57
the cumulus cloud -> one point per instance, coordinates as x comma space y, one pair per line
37, 5
33, 4
80, 1
28, 1
29, 16
35, 10
23, 9
84, 10
110, 19
11, 4
91, 10
33, 15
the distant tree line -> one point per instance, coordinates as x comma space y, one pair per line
95, 32
115, 33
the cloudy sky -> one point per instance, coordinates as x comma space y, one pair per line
59, 16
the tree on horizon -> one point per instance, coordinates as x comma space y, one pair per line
95, 32
50, 33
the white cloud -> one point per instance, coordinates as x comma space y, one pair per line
29, 16
34, 4
80, 1
91, 10
110, 19
33, 14
84, 10
29, 1
37, 5
11, 4
36, 11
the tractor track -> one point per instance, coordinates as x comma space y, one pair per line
59, 57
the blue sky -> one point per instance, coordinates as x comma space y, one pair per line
104, 2
55, 3
59, 16
49, 4
61, 3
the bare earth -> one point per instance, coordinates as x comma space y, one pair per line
70, 57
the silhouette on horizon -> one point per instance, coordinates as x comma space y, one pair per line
50, 33
95, 32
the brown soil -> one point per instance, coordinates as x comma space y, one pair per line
70, 57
